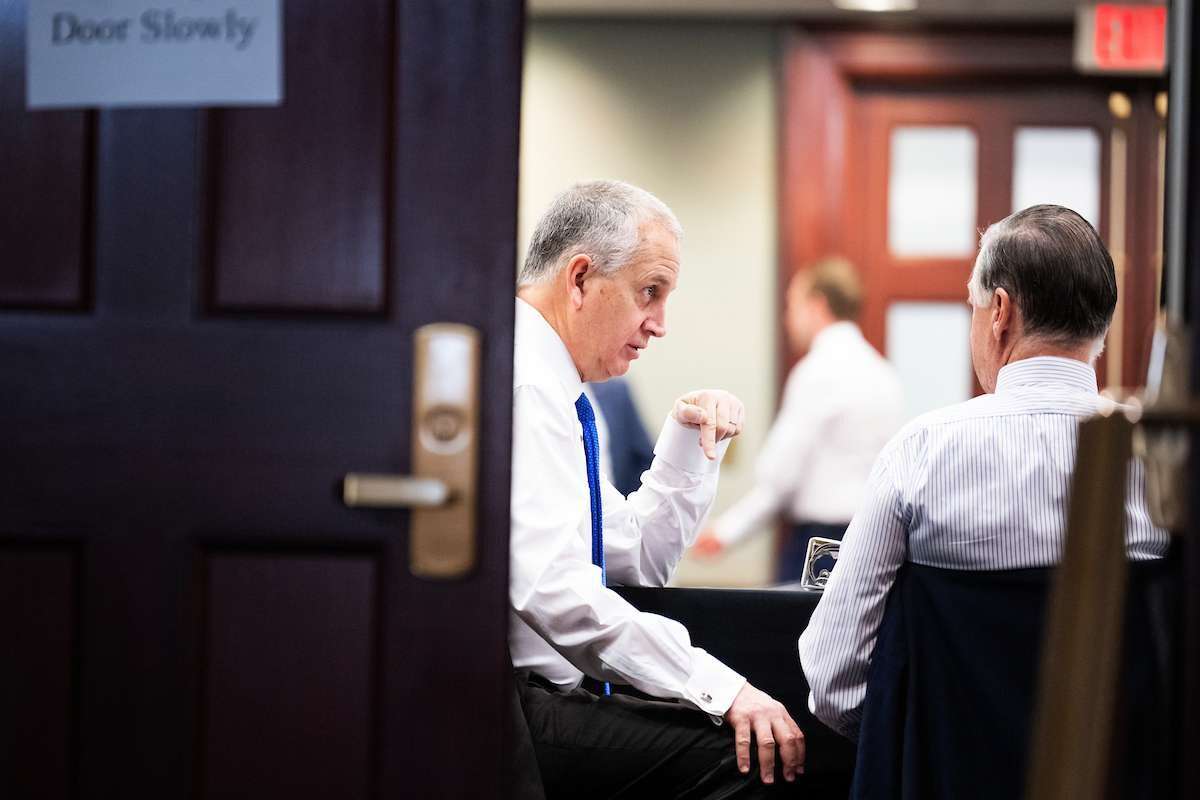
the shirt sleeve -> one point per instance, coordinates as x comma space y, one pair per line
557, 591
753, 510
646, 534
836, 647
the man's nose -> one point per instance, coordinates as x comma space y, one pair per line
657, 325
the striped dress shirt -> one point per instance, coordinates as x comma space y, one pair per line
980, 485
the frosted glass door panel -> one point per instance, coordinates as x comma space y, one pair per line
928, 344
931, 191
1060, 166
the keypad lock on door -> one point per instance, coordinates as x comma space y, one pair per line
445, 455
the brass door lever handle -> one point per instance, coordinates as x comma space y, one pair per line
445, 454
372, 490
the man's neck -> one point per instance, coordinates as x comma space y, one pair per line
823, 326
540, 298
1033, 348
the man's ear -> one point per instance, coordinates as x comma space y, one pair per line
821, 303
578, 270
1002, 314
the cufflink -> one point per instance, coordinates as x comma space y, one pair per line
706, 697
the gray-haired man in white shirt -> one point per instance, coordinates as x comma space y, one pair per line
983, 485
601, 264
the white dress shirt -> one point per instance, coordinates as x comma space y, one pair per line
841, 404
979, 485
564, 622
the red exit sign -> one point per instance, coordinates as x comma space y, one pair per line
1111, 37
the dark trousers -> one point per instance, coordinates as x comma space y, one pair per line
795, 546
592, 746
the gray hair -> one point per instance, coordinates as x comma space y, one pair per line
601, 219
1053, 264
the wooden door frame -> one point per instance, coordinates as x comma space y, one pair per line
820, 192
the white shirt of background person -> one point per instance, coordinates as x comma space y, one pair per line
841, 403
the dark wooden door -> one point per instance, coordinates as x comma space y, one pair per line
206, 321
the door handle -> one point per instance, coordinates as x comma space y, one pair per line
445, 455
367, 490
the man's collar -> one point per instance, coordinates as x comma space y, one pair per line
534, 333
840, 331
1047, 370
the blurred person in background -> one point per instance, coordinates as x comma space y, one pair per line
841, 404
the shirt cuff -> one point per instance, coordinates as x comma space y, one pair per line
679, 446
712, 686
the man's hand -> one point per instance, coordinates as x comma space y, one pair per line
717, 414
708, 545
756, 713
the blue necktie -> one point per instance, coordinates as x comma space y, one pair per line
591, 452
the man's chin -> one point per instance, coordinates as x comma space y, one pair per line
620, 368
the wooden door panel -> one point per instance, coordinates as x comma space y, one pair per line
993, 116
298, 209
46, 189
39, 594
46, 196
882, 112
216, 398
289, 691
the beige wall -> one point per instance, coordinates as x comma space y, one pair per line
687, 111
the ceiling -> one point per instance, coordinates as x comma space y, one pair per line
929, 10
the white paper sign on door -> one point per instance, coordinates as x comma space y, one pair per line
87, 53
